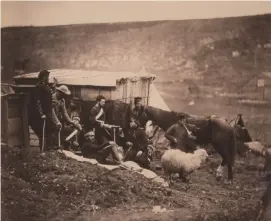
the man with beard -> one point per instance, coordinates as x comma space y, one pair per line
139, 150
138, 112
41, 114
179, 138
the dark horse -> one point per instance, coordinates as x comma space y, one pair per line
208, 130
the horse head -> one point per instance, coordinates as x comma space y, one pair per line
163, 119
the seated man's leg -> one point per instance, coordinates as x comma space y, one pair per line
117, 153
104, 153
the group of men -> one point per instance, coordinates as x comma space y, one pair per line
50, 104
99, 143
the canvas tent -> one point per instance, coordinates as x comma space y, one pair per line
156, 100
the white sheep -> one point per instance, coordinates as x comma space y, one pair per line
177, 161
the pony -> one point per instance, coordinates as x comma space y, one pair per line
207, 130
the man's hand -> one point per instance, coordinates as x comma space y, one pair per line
129, 143
43, 117
59, 127
102, 124
112, 143
192, 137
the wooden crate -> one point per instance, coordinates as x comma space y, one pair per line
14, 120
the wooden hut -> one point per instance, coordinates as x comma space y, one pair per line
87, 85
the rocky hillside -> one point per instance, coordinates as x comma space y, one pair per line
226, 52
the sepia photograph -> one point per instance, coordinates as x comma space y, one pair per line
136, 110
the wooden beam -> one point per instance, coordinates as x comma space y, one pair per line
24, 114
4, 119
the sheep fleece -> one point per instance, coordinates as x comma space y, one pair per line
176, 161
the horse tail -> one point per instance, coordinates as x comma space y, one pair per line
232, 146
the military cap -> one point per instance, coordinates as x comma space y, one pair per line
90, 133
181, 116
43, 73
137, 99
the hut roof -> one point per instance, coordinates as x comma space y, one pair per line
88, 77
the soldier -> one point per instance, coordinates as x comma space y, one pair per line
43, 108
97, 119
69, 128
138, 112
92, 149
179, 138
137, 141
59, 111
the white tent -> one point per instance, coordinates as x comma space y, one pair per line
156, 100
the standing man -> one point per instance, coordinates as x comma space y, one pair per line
138, 112
97, 119
179, 138
41, 114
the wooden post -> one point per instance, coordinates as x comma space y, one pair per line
4, 118
24, 116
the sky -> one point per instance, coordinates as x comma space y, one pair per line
47, 13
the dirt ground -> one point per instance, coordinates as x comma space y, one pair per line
53, 187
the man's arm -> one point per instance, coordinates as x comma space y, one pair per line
169, 133
37, 98
64, 112
143, 139
93, 114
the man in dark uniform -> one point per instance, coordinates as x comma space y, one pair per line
179, 136
138, 112
92, 149
43, 106
139, 149
97, 119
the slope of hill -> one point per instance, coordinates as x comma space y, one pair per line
220, 51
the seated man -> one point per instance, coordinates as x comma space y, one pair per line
69, 128
91, 149
179, 138
139, 149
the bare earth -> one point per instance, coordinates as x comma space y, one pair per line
52, 187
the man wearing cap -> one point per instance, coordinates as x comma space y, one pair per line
179, 137
43, 109
97, 119
138, 112
59, 111
138, 144
92, 149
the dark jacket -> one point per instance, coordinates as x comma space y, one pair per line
100, 133
184, 143
140, 115
138, 138
90, 148
43, 99
93, 113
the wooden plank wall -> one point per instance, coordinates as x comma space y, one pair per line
14, 119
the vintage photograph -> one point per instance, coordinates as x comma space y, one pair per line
135, 111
